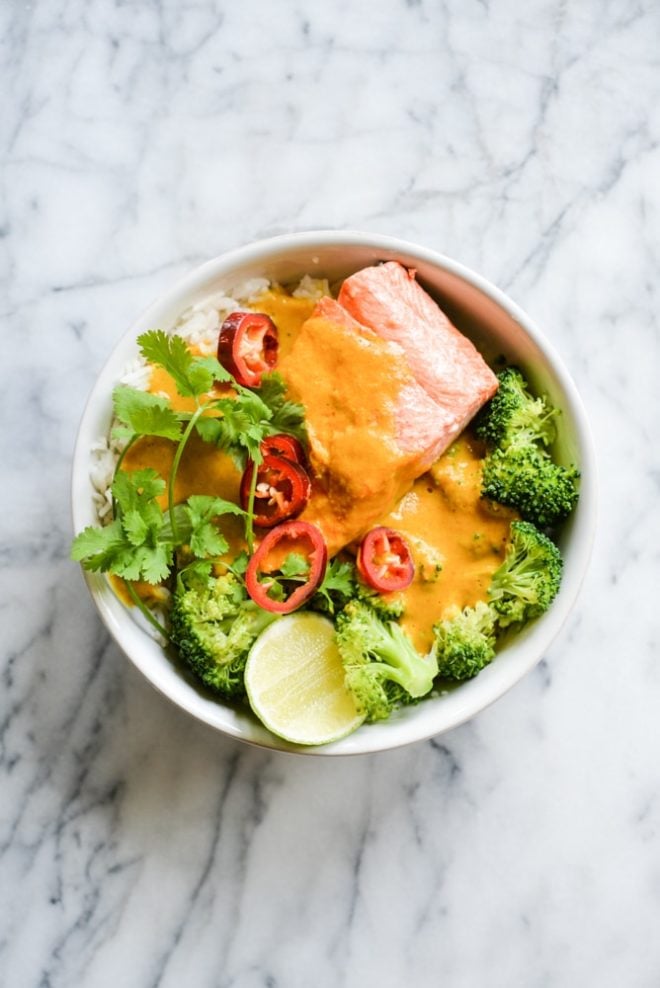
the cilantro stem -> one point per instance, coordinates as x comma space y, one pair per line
175, 468
140, 604
249, 517
133, 439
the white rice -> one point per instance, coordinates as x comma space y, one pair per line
104, 455
199, 324
137, 374
311, 287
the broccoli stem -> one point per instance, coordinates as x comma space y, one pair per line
404, 665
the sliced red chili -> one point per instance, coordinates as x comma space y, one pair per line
267, 585
282, 490
384, 560
284, 445
247, 346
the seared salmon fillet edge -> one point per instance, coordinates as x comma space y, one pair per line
388, 299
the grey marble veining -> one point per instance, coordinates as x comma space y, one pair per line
139, 849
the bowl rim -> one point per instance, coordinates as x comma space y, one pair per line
545, 629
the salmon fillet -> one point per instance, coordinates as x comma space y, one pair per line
388, 300
417, 418
370, 424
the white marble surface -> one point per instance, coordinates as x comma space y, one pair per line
138, 849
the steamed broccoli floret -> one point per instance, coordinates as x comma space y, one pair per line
214, 625
518, 471
465, 642
527, 479
388, 606
383, 670
513, 417
528, 580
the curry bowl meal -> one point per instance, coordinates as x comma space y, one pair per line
323, 507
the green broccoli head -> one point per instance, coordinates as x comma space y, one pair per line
525, 478
214, 624
375, 696
518, 471
388, 606
528, 580
383, 669
514, 417
465, 642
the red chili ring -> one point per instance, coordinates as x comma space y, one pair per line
384, 560
282, 444
282, 490
316, 554
247, 346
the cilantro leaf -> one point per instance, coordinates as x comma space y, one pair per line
340, 578
292, 571
337, 588
198, 571
134, 490
294, 565
98, 548
110, 550
285, 415
155, 563
240, 564
211, 430
243, 425
135, 527
274, 589
205, 538
207, 541
203, 507
145, 413
212, 366
193, 376
148, 563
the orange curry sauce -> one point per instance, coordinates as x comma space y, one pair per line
457, 539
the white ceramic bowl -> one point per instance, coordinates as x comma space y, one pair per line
497, 326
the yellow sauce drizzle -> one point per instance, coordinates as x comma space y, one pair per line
457, 539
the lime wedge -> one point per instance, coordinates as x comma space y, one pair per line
295, 681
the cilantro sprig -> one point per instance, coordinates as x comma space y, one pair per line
142, 541
203, 536
237, 424
136, 545
193, 376
144, 414
248, 418
338, 586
